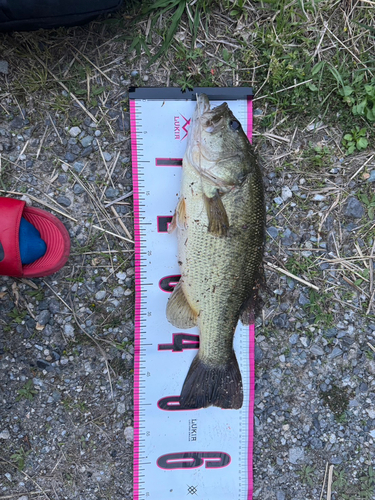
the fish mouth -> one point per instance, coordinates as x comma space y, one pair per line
209, 119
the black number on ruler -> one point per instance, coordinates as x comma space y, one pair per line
170, 403
168, 283
163, 222
168, 162
181, 341
194, 459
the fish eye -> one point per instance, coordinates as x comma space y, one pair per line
234, 124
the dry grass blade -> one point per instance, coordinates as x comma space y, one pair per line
291, 275
329, 483
324, 482
41, 490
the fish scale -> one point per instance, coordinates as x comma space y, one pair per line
178, 454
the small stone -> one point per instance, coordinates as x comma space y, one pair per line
17, 122
134, 73
296, 454
100, 295
78, 166
303, 300
278, 200
112, 193
372, 433
273, 232
304, 341
354, 208
118, 291
121, 276
43, 365
97, 133
280, 495
316, 350
129, 434
69, 330
258, 354
43, 317
121, 408
336, 351
70, 157
145, 78
74, 131
363, 387
24, 497
78, 189
86, 141
8, 476
64, 201
5, 434
107, 156
4, 67
372, 176
123, 122
319, 197
294, 339
286, 193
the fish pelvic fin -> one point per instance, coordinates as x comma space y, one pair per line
212, 385
179, 217
218, 222
179, 311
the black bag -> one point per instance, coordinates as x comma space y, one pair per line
25, 15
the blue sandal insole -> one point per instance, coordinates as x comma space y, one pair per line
32, 247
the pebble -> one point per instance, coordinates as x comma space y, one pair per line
101, 295
107, 156
294, 339
273, 232
372, 176
78, 189
75, 131
134, 73
129, 434
86, 141
64, 201
354, 208
5, 434
296, 454
78, 166
8, 476
303, 300
336, 351
316, 350
24, 497
112, 193
121, 408
43, 317
286, 193
319, 197
372, 433
280, 495
69, 330
118, 291
4, 67
278, 200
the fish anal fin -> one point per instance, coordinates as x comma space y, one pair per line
179, 311
179, 217
212, 385
218, 222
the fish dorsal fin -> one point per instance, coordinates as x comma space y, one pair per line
179, 312
218, 222
179, 217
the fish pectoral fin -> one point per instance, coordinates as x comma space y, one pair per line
218, 222
179, 217
179, 311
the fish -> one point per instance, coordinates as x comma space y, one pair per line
220, 224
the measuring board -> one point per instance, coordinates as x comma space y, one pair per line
205, 453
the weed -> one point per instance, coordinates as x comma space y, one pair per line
370, 204
17, 316
355, 140
19, 457
307, 474
27, 392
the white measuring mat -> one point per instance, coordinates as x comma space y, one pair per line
205, 453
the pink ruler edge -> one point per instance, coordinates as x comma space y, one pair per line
250, 442
138, 296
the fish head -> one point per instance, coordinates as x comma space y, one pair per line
217, 145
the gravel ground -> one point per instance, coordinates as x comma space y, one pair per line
66, 341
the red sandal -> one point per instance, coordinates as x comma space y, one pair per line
51, 230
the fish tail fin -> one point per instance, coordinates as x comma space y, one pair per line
212, 385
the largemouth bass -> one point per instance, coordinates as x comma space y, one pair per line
220, 222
